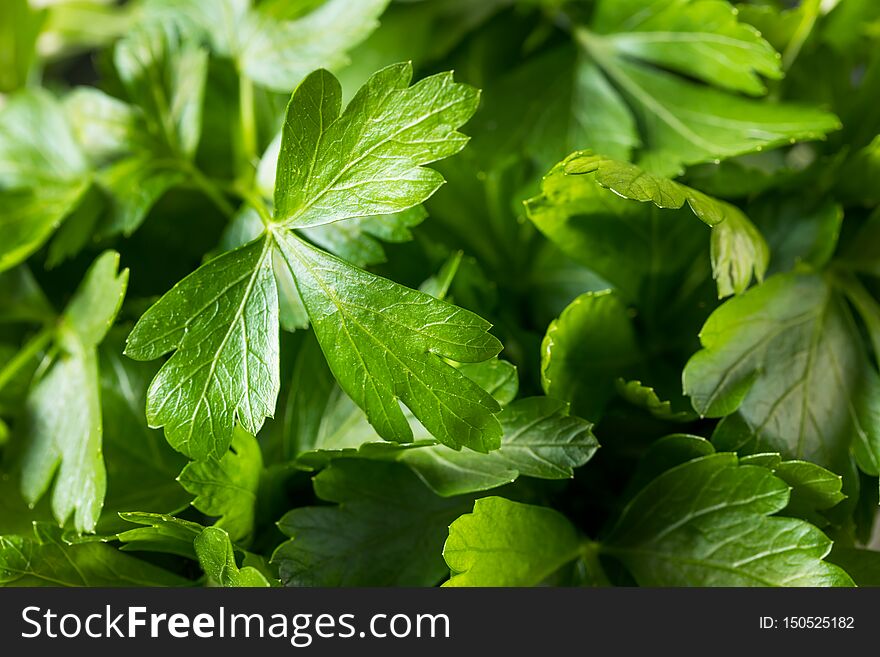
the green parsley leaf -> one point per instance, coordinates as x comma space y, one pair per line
20, 25
159, 533
813, 488
222, 320
217, 559
330, 168
578, 367
642, 396
392, 340
44, 560
43, 173
385, 343
574, 212
540, 440
504, 543
786, 358
321, 422
227, 487
705, 523
64, 423
640, 49
164, 76
704, 40
387, 530
274, 53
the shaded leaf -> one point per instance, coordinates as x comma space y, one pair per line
707, 523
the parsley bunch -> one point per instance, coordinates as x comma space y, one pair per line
284, 301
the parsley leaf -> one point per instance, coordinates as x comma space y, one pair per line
273, 53
574, 211
785, 364
64, 424
387, 344
388, 529
640, 48
43, 173
504, 543
20, 25
705, 523
159, 533
217, 559
164, 76
227, 487
223, 321
45, 560
578, 368
331, 168
540, 440
223, 318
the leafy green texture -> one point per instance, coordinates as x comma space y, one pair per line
349, 322
704, 40
573, 211
227, 487
43, 173
575, 365
159, 533
646, 397
329, 169
385, 342
64, 423
387, 529
504, 543
44, 560
705, 523
785, 364
141, 467
540, 440
357, 240
325, 423
222, 320
165, 77
274, 53
20, 26
645, 50
217, 559
813, 488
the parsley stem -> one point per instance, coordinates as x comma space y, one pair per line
33, 347
589, 553
210, 189
256, 201
810, 11
248, 123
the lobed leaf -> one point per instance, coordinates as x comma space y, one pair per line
222, 323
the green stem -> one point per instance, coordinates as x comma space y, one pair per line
30, 350
210, 189
256, 201
248, 125
810, 10
590, 551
